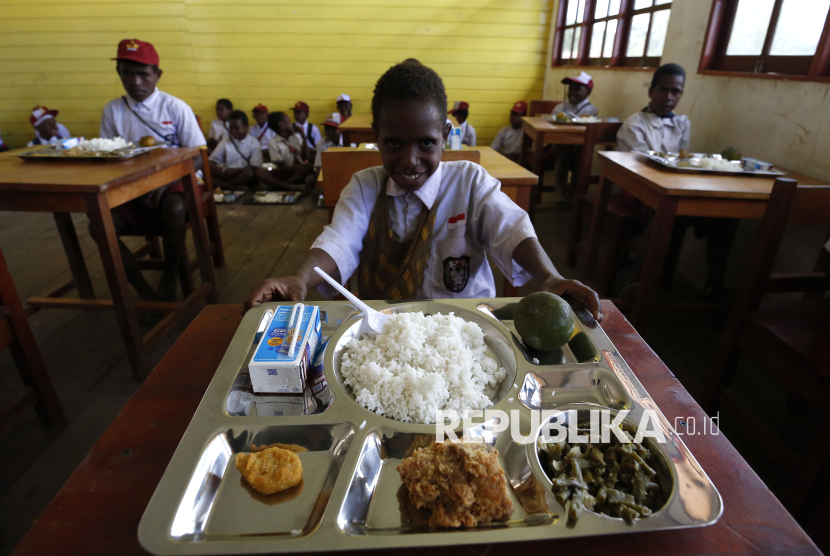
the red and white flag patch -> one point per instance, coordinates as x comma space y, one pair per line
457, 221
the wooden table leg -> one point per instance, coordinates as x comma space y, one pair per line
101, 220
69, 239
193, 197
658, 245
597, 222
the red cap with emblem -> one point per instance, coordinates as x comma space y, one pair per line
459, 105
137, 51
41, 114
520, 108
301, 106
260, 108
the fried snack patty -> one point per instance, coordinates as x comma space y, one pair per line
296, 448
271, 470
463, 484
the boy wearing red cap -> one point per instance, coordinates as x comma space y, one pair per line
260, 129
307, 130
47, 128
576, 102
468, 133
508, 140
146, 111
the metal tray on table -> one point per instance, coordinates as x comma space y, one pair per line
51, 153
673, 162
352, 497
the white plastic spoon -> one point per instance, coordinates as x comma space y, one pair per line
373, 321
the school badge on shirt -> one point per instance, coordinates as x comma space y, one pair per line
456, 273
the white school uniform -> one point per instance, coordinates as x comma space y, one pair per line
1, 142
166, 118
322, 147
468, 134
238, 154
584, 108
263, 135
508, 141
286, 151
646, 131
218, 129
473, 215
313, 137
63, 133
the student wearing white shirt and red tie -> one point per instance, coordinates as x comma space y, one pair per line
260, 129
146, 111
306, 129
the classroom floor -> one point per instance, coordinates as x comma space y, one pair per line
85, 355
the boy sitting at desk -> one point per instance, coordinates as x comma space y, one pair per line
657, 128
508, 141
331, 140
219, 126
418, 227
289, 153
234, 162
261, 131
468, 133
309, 132
144, 111
47, 128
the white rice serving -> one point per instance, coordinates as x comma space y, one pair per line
99, 144
420, 364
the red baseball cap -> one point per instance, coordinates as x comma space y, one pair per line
40, 114
520, 108
137, 51
260, 108
459, 105
331, 122
581, 79
301, 106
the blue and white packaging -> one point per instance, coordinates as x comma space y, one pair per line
755, 165
455, 139
273, 369
68, 143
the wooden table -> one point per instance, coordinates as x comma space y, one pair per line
98, 509
95, 187
673, 194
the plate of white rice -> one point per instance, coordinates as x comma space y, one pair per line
420, 364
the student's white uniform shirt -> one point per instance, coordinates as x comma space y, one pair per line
280, 151
472, 215
1, 142
322, 147
238, 154
218, 129
508, 141
170, 117
264, 136
584, 108
313, 137
63, 133
468, 134
646, 131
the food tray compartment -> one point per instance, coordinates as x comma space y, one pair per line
549, 389
219, 503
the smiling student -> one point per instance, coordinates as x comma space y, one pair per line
47, 128
418, 227
576, 102
239, 155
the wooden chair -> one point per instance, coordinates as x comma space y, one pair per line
538, 107
783, 337
16, 335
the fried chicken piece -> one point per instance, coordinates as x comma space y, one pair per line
463, 484
296, 448
271, 470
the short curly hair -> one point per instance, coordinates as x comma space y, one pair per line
409, 80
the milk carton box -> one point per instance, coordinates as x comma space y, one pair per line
273, 369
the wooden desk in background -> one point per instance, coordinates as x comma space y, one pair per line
95, 187
673, 194
98, 509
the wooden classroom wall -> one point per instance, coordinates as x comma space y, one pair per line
489, 53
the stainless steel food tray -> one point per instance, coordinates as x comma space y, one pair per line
352, 496
670, 161
50, 153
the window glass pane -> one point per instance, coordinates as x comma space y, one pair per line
799, 27
570, 18
658, 33
575, 49
566, 43
637, 38
580, 11
750, 27
640, 4
614, 7
602, 9
659, 2
596, 40
610, 34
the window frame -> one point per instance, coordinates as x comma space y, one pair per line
714, 61
618, 59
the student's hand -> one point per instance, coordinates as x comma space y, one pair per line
287, 288
577, 290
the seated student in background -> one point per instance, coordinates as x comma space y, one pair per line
144, 111
234, 162
290, 155
508, 140
344, 107
390, 226
657, 128
576, 102
3, 146
331, 140
260, 130
47, 128
219, 126
468, 133
306, 129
